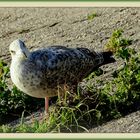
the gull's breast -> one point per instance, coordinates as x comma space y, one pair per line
30, 80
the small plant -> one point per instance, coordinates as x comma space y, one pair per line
91, 16
117, 41
4, 91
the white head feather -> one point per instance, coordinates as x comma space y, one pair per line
18, 50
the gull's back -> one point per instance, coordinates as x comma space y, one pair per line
65, 65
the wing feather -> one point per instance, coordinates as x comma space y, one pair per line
65, 64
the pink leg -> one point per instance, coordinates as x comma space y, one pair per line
46, 105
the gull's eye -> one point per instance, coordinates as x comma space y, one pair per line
12, 52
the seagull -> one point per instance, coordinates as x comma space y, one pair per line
45, 72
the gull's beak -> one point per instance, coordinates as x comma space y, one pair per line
24, 54
21, 54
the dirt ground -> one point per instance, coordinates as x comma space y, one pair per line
40, 27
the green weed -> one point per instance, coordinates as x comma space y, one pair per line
117, 42
91, 16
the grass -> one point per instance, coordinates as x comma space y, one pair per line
100, 101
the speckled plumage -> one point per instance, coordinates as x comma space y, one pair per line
43, 72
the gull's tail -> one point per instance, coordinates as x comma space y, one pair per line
108, 57
102, 58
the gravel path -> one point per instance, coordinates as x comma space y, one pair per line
127, 124
70, 27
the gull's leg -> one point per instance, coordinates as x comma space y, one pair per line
46, 105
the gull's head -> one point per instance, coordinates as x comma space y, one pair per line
18, 49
